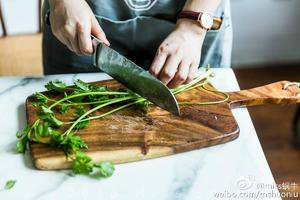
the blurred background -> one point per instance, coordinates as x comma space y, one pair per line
265, 32
266, 48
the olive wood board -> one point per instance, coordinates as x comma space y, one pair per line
134, 134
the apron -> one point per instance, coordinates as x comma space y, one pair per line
136, 28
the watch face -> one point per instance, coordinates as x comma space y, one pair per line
206, 21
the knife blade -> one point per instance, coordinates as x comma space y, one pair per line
139, 81
135, 78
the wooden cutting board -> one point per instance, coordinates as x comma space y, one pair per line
133, 134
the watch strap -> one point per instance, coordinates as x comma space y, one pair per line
217, 21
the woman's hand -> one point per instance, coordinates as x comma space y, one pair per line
73, 22
178, 57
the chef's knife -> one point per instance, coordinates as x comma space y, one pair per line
135, 78
132, 76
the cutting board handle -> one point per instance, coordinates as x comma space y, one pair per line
283, 92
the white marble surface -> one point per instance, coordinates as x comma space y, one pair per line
235, 167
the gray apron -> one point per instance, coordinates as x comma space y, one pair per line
136, 28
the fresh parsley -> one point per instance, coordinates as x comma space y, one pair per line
9, 185
82, 101
83, 165
82, 85
56, 85
105, 169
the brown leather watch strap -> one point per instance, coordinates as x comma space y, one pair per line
217, 21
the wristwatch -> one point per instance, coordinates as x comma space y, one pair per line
206, 21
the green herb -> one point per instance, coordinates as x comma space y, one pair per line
106, 169
23, 133
79, 112
83, 165
56, 138
21, 145
43, 130
46, 110
82, 85
9, 185
41, 99
64, 108
56, 85
83, 100
50, 118
82, 124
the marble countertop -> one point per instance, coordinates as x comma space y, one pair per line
234, 170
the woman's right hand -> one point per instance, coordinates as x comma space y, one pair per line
73, 22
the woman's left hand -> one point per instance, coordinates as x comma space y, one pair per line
177, 58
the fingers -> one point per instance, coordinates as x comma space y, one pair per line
73, 39
84, 40
192, 72
72, 22
181, 75
169, 69
171, 65
77, 37
68, 36
68, 43
63, 40
98, 32
158, 62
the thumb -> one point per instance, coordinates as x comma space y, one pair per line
98, 32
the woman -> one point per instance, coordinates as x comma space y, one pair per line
145, 31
